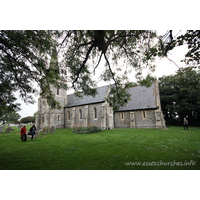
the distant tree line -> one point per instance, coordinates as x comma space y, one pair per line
29, 119
180, 96
11, 117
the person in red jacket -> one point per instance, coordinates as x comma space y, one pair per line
23, 133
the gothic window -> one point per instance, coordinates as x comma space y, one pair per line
122, 116
80, 114
58, 117
68, 115
44, 103
58, 92
95, 113
144, 114
43, 119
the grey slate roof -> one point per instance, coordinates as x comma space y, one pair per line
141, 98
73, 101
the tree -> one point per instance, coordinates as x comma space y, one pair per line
24, 59
191, 38
180, 95
27, 120
83, 51
11, 117
32, 56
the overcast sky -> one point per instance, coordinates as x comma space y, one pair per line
163, 67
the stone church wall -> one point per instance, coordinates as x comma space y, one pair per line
141, 119
92, 121
87, 118
51, 117
122, 119
103, 117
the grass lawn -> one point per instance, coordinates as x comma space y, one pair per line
116, 149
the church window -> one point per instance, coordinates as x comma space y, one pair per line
80, 114
95, 113
122, 116
43, 119
68, 115
144, 114
58, 92
44, 103
58, 118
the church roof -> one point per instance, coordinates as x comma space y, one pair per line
141, 98
73, 101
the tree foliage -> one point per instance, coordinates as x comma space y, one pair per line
32, 56
180, 95
23, 61
191, 38
28, 119
84, 50
10, 117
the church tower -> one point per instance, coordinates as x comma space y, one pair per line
45, 115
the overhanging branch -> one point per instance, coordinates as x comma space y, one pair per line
83, 64
98, 62
113, 76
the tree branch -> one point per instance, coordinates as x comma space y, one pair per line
173, 62
68, 34
98, 62
15, 73
83, 64
113, 76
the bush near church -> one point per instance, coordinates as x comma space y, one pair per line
86, 130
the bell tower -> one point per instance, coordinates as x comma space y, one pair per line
45, 115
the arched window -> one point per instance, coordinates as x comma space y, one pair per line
95, 112
58, 92
80, 114
58, 117
144, 114
44, 103
43, 119
68, 115
122, 116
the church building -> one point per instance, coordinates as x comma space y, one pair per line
143, 111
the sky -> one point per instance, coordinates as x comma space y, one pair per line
163, 67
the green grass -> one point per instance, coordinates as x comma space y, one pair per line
108, 150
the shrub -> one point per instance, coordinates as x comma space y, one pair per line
94, 129
86, 130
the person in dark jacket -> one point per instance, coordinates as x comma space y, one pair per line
185, 123
23, 133
32, 130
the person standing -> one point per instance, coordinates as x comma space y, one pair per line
32, 130
185, 123
23, 133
